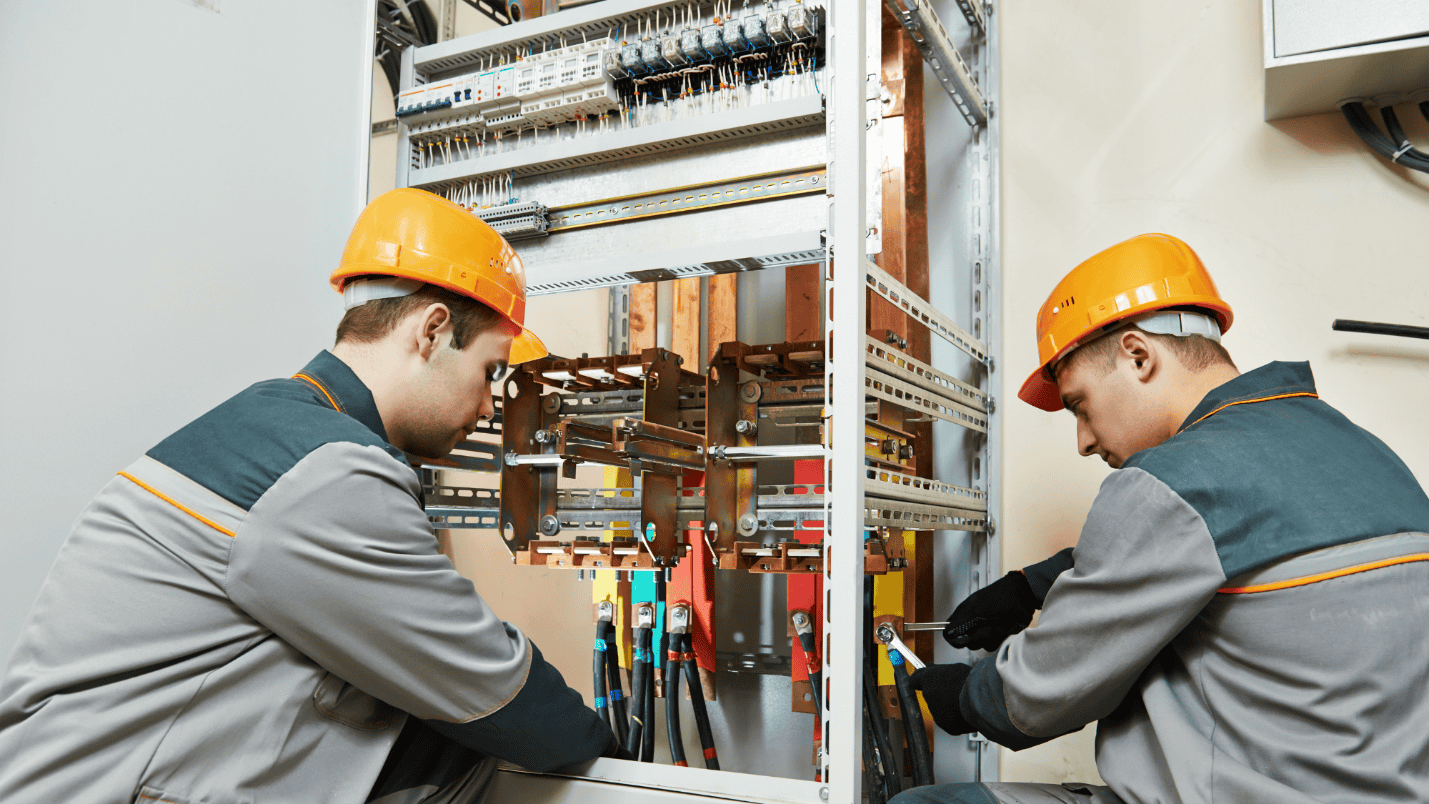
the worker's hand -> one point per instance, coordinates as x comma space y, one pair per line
942, 688
616, 750
992, 614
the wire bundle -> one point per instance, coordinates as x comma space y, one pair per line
1395, 146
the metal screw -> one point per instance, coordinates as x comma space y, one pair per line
550, 526
748, 525
906, 452
823, 794
991, 526
750, 392
745, 427
551, 403
512, 459
545, 437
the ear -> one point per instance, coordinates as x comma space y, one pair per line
1137, 350
434, 323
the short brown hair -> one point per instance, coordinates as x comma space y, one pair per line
1195, 352
376, 319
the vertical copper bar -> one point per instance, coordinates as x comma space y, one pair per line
729, 486
658, 490
644, 313
915, 238
528, 493
722, 301
803, 311
685, 323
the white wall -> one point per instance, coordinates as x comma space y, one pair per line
179, 177
1129, 116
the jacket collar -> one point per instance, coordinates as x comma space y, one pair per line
343, 390
1270, 381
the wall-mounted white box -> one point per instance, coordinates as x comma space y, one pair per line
1320, 52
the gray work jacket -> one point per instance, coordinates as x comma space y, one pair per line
1246, 614
251, 611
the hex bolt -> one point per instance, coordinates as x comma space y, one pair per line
551, 403
750, 392
545, 437
748, 525
745, 427
550, 526
906, 452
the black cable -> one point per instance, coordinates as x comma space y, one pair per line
598, 663
913, 727
1397, 135
1374, 328
656, 659
617, 696
1361, 123
816, 675
647, 742
697, 700
872, 781
873, 720
672, 701
1424, 109
638, 664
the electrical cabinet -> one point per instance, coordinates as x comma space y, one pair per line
1319, 53
796, 491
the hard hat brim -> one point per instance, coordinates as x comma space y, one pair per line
1041, 392
526, 347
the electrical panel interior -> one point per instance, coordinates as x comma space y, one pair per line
625, 144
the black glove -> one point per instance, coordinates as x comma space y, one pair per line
942, 688
992, 614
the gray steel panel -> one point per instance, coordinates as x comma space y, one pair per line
545, 156
701, 259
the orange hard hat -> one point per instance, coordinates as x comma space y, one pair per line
1147, 273
415, 235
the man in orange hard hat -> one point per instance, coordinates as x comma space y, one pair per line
257, 609
1243, 614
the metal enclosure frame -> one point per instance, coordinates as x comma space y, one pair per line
969, 350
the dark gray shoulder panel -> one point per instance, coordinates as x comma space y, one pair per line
1284, 476
240, 448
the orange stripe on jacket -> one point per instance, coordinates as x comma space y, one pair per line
175, 503
319, 386
1323, 576
1246, 402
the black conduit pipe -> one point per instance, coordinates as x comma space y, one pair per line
1374, 328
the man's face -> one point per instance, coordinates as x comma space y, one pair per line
452, 393
1117, 415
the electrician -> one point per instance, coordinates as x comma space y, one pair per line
1244, 612
257, 610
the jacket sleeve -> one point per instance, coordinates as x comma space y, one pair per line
338, 559
546, 726
1043, 574
1145, 566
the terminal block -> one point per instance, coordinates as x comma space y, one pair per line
517, 221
